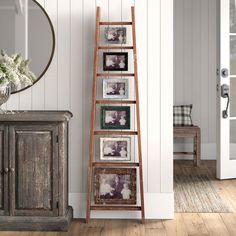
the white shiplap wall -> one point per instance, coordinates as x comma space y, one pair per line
68, 85
195, 65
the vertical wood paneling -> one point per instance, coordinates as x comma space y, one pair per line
105, 8
187, 51
195, 62
89, 10
13, 102
64, 60
38, 95
126, 12
115, 10
24, 101
68, 82
204, 70
51, 77
166, 86
38, 90
154, 63
212, 69
141, 21
76, 96
179, 48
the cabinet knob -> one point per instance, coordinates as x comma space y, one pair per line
12, 170
6, 170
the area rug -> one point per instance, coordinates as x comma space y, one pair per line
195, 193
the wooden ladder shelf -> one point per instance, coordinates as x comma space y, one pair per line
93, 132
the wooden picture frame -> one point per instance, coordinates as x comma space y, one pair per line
115, 117
115, 61
115, 88
115, 186
115, 149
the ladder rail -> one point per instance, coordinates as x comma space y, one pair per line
93, 132
93, 114
138, 113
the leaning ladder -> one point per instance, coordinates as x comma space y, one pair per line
93, 132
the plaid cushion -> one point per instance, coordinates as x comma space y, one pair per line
182, 115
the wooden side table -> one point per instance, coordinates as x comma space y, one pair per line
190, 132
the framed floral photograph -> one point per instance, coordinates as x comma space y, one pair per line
115, 149
115, 186
115, 117
115, 88
115, 35
115, 61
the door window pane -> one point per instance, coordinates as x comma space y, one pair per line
233, 55
232, 93
233, 140
232, 16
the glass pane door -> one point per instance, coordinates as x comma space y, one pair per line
232, 106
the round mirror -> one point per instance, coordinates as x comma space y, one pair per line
27, 42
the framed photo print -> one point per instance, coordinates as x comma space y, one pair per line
115, 61
115, 149
115, 35
115, 88
115, 117
115, 185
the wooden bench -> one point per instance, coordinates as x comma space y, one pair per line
190, 132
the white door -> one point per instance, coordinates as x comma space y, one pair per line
226, 159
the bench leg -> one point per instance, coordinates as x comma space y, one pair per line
197, 148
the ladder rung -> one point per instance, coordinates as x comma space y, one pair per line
116, 102
115, 47
115, 208
110, 74
115, 23
115, 132
115, 164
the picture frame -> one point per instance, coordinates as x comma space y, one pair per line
115, 35
115, 117
115, 61
115, 88
115, 149
115, 186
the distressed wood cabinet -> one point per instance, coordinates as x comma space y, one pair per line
34, 171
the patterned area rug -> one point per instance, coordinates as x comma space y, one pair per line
195, 193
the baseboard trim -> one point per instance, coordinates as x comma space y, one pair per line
157, 206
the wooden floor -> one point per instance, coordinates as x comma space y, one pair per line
184, 224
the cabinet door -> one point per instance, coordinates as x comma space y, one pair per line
4, 193
34, 170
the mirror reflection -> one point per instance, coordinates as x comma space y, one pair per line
27, 42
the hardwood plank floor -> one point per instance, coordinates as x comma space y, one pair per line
184, 224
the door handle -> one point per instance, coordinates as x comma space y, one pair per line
225, 94
224, 73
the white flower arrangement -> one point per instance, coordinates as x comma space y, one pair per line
15, 70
